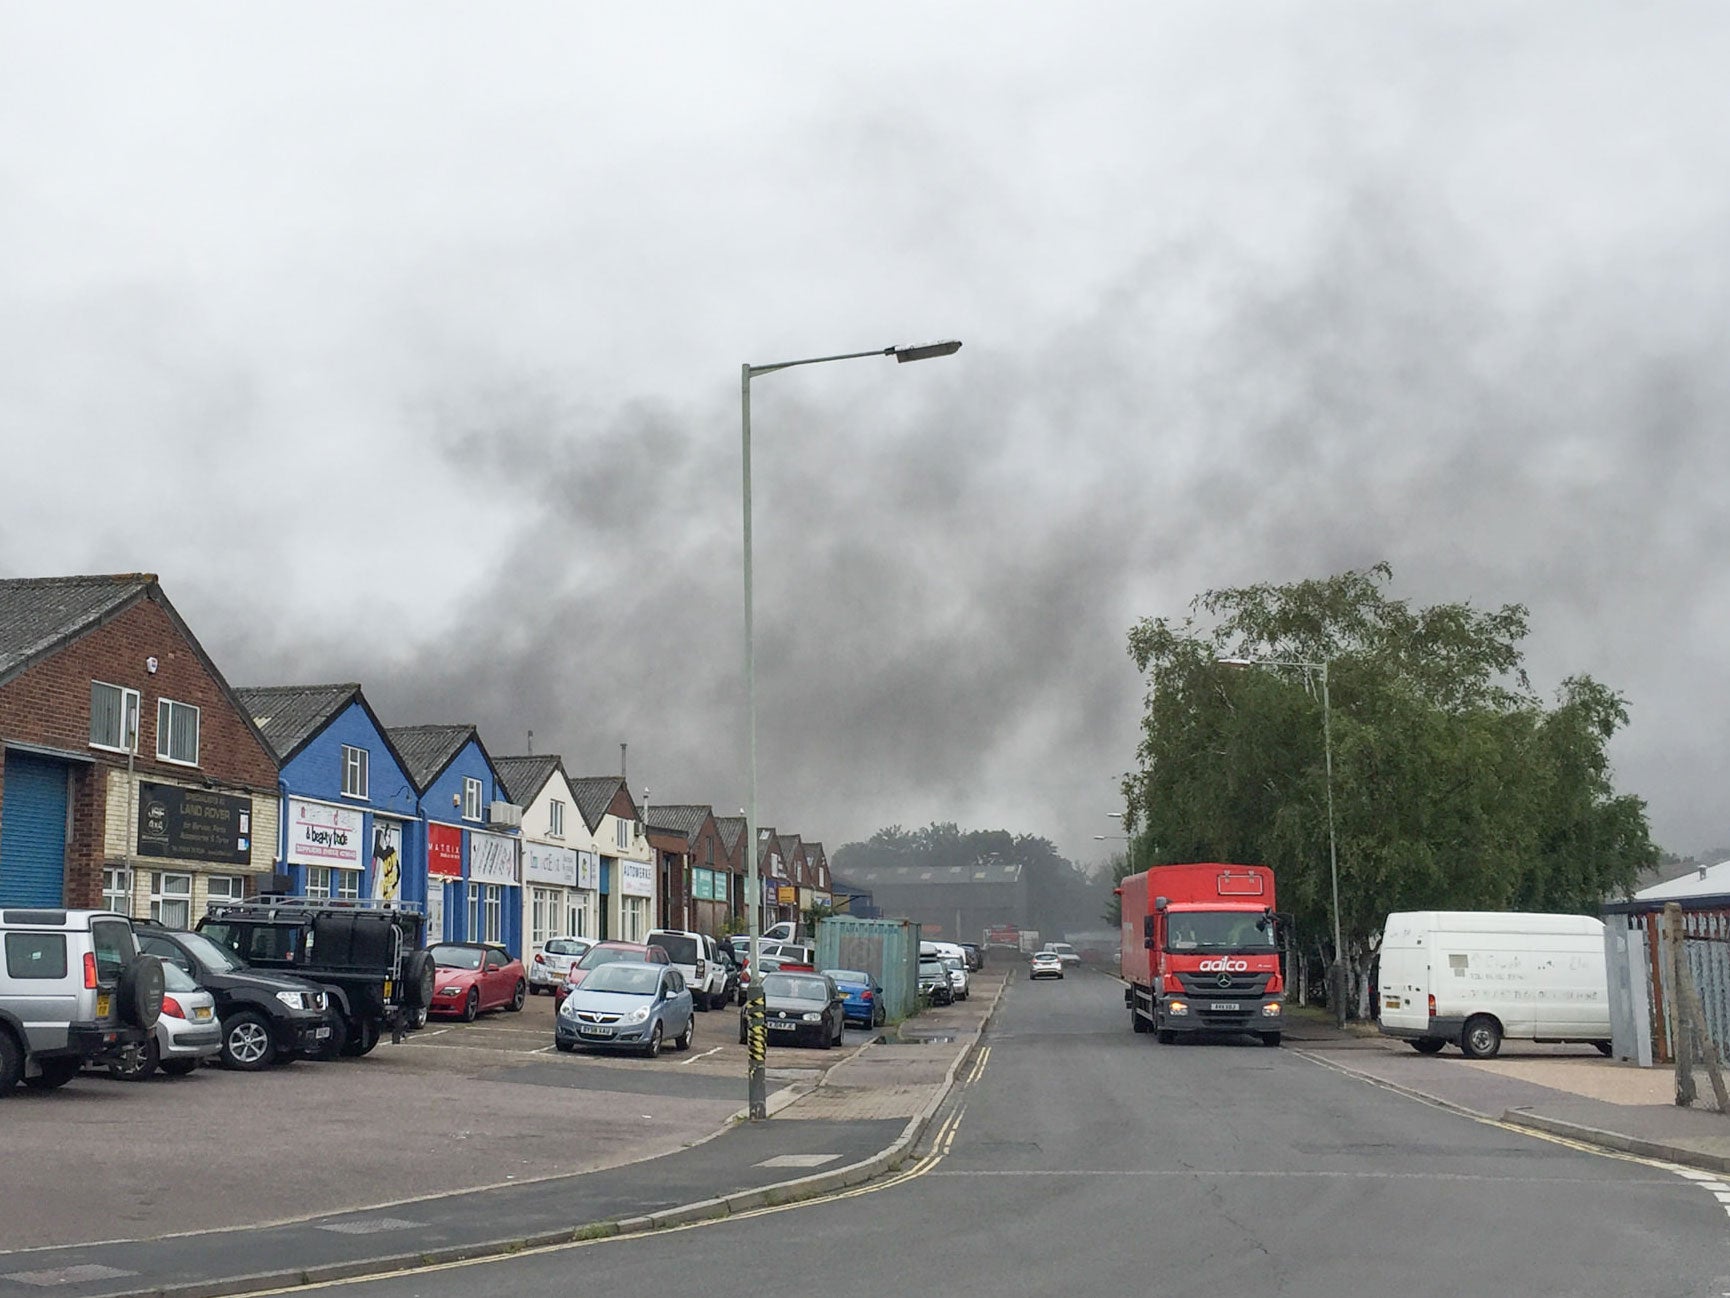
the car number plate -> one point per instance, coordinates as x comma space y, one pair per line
591, 1030
1225, 1007
102, 1005
201, 1013
322, 1033
783, 1027
1391, 1002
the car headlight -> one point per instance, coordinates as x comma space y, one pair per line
811, 1018
294, 1000
450, 991
568, 1008
637, 1015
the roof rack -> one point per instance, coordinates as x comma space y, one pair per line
269, 903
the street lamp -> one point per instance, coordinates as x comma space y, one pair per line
1321, 668
755, 1068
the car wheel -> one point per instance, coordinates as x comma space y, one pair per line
180, 1067
12, 1063
472, 1006
417, 1019
683, 1040
1481, 1038
522, 994
362, 1040
144, 1062
566, 1046
1428, 1045
55, 1073
653, 1049
246, 1043
337, 1043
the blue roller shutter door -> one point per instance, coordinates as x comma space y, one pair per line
32, 831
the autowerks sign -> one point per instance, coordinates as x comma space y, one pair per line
320, 834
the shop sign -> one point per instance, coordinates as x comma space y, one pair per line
194, 824
547, 863
702, 885
444, 851
492, 858
386, 859
786, 895
320, 834
636, 878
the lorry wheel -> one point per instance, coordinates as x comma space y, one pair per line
1137, 1022
1481, 1038
1165, 1036
1270, 1039
1428, 1045
362, 1040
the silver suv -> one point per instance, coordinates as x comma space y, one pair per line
73, 990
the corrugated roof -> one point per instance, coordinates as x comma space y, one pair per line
594, 794
427, 750
1702, 881
732, 830
41, 614
993, 872
681, 818
525, 777
289, 715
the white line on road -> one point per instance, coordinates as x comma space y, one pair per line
694, 1058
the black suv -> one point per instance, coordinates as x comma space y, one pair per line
368, 958
265, 1016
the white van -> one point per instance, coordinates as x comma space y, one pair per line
1475, 978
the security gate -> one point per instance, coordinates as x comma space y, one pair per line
32, 831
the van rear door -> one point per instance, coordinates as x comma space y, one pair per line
1404, 981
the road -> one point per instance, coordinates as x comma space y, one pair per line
1083, 1159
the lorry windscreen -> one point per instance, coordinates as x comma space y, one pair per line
1208, 930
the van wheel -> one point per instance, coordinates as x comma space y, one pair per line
1270, 1039
1482, 1037
11, 1063
1428, 1045
1604, 1048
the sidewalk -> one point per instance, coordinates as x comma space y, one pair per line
861, 1118
1560, 1090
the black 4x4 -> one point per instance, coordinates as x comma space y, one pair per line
368, 957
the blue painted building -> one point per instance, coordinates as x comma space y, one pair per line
469, 874
350, 813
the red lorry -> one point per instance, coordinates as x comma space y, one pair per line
1201, 950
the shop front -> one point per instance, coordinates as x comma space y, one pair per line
561, 883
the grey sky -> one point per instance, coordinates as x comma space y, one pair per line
403, 341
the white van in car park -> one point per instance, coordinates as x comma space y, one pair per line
1476, 978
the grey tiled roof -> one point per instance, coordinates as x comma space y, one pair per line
427, 750
289, 715
732, 830
681, 818
40, 614
524, 777
594, 794
878, 876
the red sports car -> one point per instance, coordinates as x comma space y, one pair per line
473, 976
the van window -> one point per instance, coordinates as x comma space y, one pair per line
36, 955
680, 949
112, 941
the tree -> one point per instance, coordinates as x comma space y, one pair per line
1454, 786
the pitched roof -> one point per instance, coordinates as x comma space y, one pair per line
1702, 881
525, 777
427, 750
41, 614
681, 818
594, 794
879, 876
732, 829
289, 715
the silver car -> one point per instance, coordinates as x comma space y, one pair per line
187, 1034
626, 1005
554, 960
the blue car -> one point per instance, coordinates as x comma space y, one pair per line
627, 1006
864, 1004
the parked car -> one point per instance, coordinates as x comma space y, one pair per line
959, 983
187, 1034
74, 989
554, 960
801, 1007
1066, 954
605, 953
792, 953
934, 985
264, 1016
732, 990
630, 1005
695, 955
975, 955
473, 976
864, 997
786, 931
1045, 964
368, 958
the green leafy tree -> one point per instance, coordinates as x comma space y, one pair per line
1454, 785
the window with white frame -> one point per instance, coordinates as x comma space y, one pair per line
486, 912
577, 921
471, 798
633, 918
226, 887
177, 732
113, 717
171, 899
546, 915
555, 818
117, 889
326, 883
354, 771
622, 836
318, 882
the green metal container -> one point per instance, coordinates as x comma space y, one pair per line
888, 949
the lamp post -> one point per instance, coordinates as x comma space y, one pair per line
1321, 669
755, 1071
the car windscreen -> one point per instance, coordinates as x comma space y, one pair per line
634, 979
600, 955
211, 955
848, 975
793, 987
679, 948
932, 969
565, 946
456, 957
1214, 930
176, 979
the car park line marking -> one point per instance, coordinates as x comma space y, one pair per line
694, 1058
423, 1034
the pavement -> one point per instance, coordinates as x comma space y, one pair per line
837, 1119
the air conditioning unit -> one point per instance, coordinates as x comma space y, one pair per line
507, 814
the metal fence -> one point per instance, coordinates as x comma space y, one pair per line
1643, 1003
888, 949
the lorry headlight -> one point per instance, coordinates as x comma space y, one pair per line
1271, 1010
1177, 1007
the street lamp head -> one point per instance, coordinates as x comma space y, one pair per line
925, 351
1235, 662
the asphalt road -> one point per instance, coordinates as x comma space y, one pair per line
1083, 1159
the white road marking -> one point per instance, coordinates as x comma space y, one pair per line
694, 1058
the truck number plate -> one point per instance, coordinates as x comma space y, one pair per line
1392, 1002
1225, 1007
